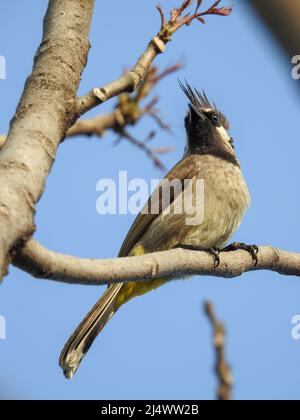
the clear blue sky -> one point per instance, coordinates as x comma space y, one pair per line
159, 346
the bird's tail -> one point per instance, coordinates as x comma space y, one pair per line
84, 336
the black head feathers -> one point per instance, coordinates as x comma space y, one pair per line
199, 101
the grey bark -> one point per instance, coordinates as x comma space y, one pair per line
46, 110
45, 264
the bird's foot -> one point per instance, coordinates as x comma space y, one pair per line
213, 251
252, 249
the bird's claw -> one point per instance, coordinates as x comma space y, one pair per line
252, 249
213, 251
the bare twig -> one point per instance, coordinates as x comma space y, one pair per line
129, 111
163, 150
43, 263
132, 79
159, 121
142, 145
223, 370
94, 126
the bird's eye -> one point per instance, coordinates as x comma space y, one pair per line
215, 119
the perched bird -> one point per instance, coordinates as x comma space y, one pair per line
209, 156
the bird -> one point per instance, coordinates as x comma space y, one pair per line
210, 156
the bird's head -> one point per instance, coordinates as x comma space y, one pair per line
206, 127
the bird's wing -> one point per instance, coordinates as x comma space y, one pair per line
185, 169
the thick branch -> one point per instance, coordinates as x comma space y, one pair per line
223, 371
90, 127
49, 107
44, 113
43, 263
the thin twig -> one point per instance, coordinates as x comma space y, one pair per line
223, 371
130, 81
129, 109
123, 134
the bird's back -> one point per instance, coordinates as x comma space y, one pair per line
225, 200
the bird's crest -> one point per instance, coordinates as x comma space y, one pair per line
201, 101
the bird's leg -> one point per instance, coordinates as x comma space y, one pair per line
213, 251
252, 249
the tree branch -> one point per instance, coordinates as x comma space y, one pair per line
95, 126
142, 145
222, 368
43, 263
130, 81
49, 107
128, 111
44, 113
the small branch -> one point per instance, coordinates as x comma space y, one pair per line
223, 370
151, 153
130, 81
43, 263
93, 126
128, 112
129, 109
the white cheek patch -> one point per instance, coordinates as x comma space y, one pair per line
223, 134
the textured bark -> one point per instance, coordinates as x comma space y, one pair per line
92, 126
282, 17
43, 263
49, 107
127, 83
41, 120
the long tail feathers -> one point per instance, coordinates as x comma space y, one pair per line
84, 336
